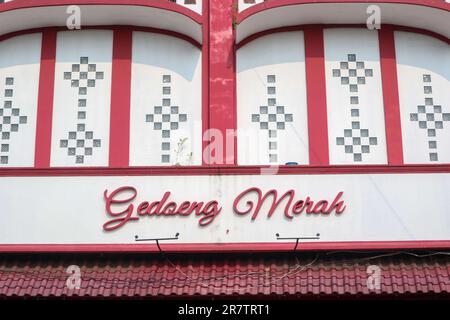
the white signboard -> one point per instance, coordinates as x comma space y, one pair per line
246, 210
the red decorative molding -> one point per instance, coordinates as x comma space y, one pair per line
388, 64
228, 247
45, 100
119, 131
441, 5
124, 27
158, 4
263, 33
316, 96
222, 170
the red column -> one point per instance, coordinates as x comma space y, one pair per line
390, 96
205, 78
45, 100
119, 136
222, 106
316, 96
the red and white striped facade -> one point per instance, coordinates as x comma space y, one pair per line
144, 85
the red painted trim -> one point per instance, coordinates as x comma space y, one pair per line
119, 132
158, 4
418, 30
263, 33
391, 99
227, 247
45, 100
205, 77
436, 4
221, 70
316, 96
223, 170
113, 28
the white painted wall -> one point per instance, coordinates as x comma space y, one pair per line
71, 46
339, 43
281, 55
154, 57
19, 71
381, 207
419, 56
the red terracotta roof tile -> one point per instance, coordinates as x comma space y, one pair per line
205, 275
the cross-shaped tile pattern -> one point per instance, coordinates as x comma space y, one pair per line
272, 118
10, 120
430, 117
356, 140
166, 118
80, 143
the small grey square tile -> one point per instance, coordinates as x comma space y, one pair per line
271, 78
165, 146
165, 158
166, 133
355, 112
351, 57
158, 110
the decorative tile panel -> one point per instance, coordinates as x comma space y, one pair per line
271, 101
166, 105
356, 129
81, 114
19, 82
423, 65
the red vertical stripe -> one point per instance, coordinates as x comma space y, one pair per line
221, 72
316, 96
45, 100
205, 78
119, 137
390, 96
